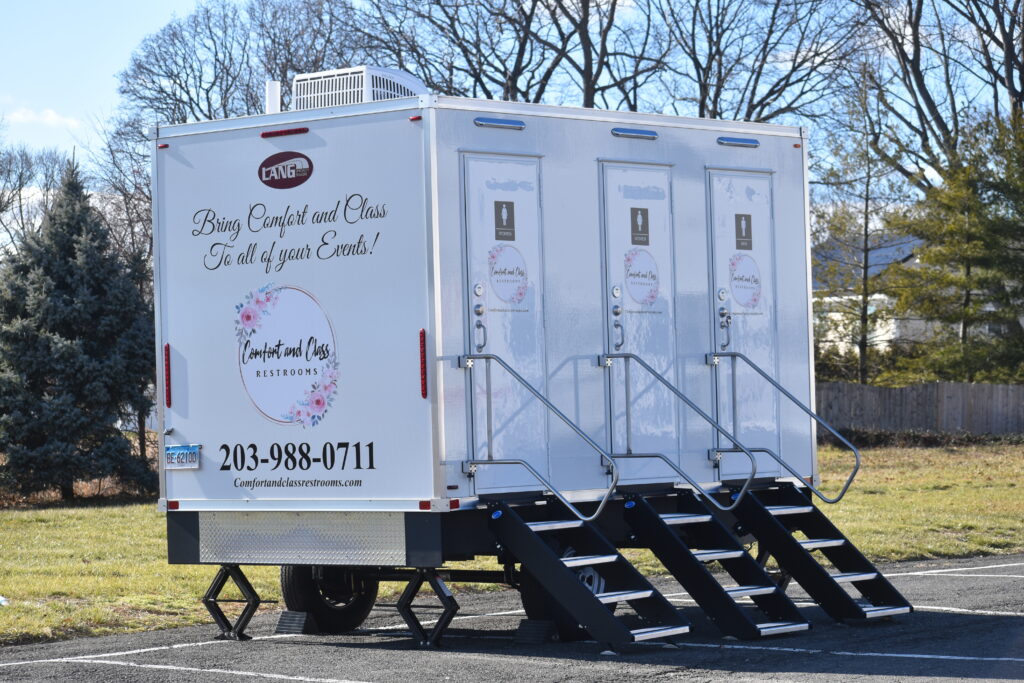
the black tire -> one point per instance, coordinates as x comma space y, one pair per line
338, 600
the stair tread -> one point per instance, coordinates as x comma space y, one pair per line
874, 611
847, 577
778, 510
718, 554
815, 543
585, 560
617, 596
742, 591
652, 632
685, 518
778, 627
555, 525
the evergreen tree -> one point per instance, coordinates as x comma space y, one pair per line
968, 279
76, 345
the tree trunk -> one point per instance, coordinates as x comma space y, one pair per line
141, 415
67, 491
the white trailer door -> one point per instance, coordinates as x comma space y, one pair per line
743, 308
506, 316
640, 314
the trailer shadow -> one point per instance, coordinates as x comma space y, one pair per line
936, 645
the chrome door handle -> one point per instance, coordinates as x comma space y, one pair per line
725, 323
622, 335
482, 344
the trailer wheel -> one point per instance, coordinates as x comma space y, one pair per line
538, 603
338, 599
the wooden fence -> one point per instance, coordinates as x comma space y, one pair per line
939, 407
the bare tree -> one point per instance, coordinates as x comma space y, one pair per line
29, 181
755, 60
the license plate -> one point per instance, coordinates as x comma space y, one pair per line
184, 457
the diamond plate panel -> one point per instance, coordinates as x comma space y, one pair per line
352, 538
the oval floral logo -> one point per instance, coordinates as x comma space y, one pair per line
284, 170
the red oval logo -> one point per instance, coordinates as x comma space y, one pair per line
285, 170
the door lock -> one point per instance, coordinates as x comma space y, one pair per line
478, 309
616, 309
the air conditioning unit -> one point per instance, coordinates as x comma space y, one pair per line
352, 86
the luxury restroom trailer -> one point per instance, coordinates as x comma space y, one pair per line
398, 330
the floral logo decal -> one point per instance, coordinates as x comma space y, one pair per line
257, 305
745, 280
508, 273
311, 408
286, 354
641, 276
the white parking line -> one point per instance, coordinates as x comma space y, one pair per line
230, 672
958, 610
843, 653
958, 569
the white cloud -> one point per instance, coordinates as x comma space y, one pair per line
46, 117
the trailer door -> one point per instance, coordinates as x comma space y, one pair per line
506, 316
640, 314
743, 310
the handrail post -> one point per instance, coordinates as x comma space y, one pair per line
814, 416
490, 410
604, 361
629, 408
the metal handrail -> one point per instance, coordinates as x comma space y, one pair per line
467, 362
814, 416
704, 492
707, 418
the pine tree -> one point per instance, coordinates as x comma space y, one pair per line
75, 348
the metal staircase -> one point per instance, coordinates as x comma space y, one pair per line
685, 539
541, 547
773, 516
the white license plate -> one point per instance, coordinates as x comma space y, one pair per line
184, 457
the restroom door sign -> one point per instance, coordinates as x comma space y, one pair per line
744, 232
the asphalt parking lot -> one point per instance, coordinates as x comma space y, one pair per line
968, 625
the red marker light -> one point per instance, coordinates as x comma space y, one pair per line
424, 505
415, 118
453, 504
423, 363
167, 375
172, 505
284, 131
162, 145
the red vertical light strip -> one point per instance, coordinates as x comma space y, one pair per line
423, 363
167, 375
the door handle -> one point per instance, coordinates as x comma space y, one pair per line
480, 326
622, 335
725, 323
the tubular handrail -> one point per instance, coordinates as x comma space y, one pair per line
707, 418
814, 416
690, 481
467, 362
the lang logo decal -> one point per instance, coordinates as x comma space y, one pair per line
285, 170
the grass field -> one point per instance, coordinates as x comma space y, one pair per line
96, 569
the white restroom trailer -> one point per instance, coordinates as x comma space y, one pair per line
365, 310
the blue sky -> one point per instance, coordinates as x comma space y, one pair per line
59, 61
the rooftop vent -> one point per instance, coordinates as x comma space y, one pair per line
352, 86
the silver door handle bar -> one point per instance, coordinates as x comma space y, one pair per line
604, 361
482, 344
690, 481
606, 458
622, 335
814, 416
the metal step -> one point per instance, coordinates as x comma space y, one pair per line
815, 543
772, 628
654, 632
745, 591
850, 577
779, 510
876, 611
587, 560
623, 596
684, 518
556, 525
708, 555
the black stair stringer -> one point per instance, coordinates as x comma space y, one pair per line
661, 534
659, 618
789, 511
